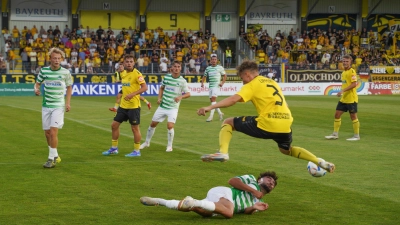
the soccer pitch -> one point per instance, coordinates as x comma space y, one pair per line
88, 188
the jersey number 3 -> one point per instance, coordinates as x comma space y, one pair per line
276, 93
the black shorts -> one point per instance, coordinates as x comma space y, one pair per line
133, 115
248, 125
351, 107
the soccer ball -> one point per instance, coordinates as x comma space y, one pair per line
315, 170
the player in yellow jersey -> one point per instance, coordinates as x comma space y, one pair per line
348, 101
118, 98
274, 118
133, 85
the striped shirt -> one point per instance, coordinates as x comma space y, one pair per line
244, 199
55, 82
214, 74
173, 87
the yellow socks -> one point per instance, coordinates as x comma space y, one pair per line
225, 136
336, 125
302, 153
136, 146
114, 143
356, 126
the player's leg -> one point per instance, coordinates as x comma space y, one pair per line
118, 119
172, 115
340, 109
53, 119
218, 200
284, 144
134, 120
158, 117
356, 124
225, 136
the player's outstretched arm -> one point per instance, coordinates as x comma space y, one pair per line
238, 184
259, 206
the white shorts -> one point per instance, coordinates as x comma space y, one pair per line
214, 194
213, 92
161, 114
52, 117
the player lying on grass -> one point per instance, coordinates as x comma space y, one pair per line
245, 196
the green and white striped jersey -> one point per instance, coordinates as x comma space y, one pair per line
244, 199
173, 87
55, 82
214, 74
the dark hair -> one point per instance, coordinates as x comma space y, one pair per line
271, 174
177, 62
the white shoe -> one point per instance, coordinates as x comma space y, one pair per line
149, 201
215, 157
144, 145
221, 116
330, 167
209, 119
186, 204
332, 137
354, 138
169, 149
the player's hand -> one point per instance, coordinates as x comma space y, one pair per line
159, 101
149, 105
202, 85
67, 108
260, 206
221, 84
37, 92
128, 97
339, 93
202, 111
178, 99
258, 194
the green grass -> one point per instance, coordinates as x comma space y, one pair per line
88, 188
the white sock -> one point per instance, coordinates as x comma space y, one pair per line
150, 133
171, 204
171, 134
212, 110
205, 204
53, 153
219, 111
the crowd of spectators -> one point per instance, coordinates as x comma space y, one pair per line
317, 49
89, 50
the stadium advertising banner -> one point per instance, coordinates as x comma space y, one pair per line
272, 12
105, 78
385, 73
305, 76
104, 89
17, 90
39, 10
319, 88
384, 88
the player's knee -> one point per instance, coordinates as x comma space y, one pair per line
228, 121
227, 214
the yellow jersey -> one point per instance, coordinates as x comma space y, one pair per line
266, 95
348, 77
131, 82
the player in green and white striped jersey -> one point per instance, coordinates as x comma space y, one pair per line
57, 82
214, 73
173, 89
245, 196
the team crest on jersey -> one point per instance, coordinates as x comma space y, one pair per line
353, 77
141, 78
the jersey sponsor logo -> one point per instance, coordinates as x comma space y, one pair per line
53, 84
140, 78
126, 84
